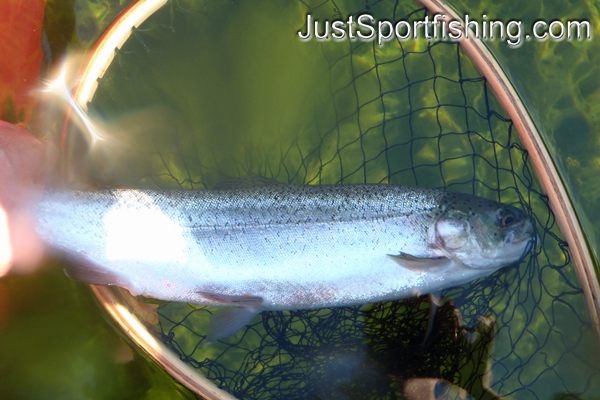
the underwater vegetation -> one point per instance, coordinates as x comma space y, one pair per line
560, 85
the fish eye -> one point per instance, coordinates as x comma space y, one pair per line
507, 219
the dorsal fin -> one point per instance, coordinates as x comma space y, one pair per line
245, 182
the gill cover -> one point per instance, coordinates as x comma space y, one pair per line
481, 233
453, 230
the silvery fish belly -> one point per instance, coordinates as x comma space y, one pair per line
282, 247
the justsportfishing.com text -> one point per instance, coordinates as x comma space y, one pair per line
366, 27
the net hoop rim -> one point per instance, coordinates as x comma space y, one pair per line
156, 350
92, 69
120, 30
539, 156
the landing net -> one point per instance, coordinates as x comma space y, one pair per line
240, 95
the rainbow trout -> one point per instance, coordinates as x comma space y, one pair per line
281, 247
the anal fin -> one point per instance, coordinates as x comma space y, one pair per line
80, 269
244, 300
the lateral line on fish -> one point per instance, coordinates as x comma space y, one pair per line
340, 221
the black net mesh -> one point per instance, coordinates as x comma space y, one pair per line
235, 101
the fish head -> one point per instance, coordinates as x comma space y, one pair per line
481, 233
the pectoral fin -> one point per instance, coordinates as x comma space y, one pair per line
435, 300
421, 264
227, 322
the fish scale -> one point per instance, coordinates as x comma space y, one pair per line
299, 203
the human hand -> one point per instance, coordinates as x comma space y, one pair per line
24, 162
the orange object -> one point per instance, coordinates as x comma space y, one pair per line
21, 24
22, 175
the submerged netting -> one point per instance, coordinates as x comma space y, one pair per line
225, 89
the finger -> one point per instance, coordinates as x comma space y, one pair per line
22, 167
23, 170
27, 248
5, 245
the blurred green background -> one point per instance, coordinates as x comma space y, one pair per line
559, 84
56, 343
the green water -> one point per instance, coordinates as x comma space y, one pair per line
239, 105
55, 342
560, 85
